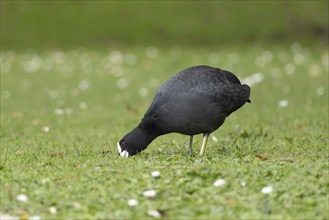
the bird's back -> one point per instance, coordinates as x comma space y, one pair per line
196, 100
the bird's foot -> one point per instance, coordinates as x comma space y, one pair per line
189, 147
190, 153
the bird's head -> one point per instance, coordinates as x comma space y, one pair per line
127, 147
134, 142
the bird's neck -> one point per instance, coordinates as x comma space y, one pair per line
144, 136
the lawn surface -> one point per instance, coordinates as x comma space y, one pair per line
62, 113
100, 24
92, 74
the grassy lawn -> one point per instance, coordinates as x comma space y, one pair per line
64, 109
62, 113
71, 24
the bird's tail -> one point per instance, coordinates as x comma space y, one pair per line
245, 93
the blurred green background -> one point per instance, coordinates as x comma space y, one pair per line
105, 24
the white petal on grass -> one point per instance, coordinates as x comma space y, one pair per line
214, 138
58, 56
219, 182
299, 58
253, 79
45, 180
117, 71
296, 47
320, 91
33, 65
130, 59
116, 57
22, 198
35, 217
52, 210
149, 193
132, 202
122, 83
290, 68
283, 103
151, 52
257, 77
264, 58
154, 213
84, 85
267, 56
8, 217
46, 129
267, 190
53, 94
155, 174
83, 105
59, 111
143, 91
76, 205
243, 183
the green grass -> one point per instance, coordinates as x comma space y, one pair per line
104, 24
75, 167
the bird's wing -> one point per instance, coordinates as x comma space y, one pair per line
228, 96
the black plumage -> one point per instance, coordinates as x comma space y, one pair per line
196, 100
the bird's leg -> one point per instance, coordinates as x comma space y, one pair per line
204, 144
189, 146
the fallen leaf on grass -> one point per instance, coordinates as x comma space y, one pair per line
35, 122
230, 202
56, 154
24, 216
17, 114
300, 126
261, 156
131, 109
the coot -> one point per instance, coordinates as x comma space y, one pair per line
196, 100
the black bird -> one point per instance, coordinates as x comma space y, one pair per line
196, 100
